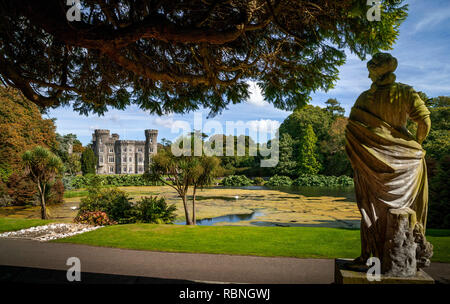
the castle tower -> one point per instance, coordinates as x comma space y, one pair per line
151, 146
100, 138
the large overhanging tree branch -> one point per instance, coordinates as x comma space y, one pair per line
177, 56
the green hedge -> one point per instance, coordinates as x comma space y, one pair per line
323, 181
83, 181
279, 180
236, 181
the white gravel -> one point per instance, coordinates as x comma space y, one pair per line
49, 232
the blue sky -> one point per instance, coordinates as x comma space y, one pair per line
422, 49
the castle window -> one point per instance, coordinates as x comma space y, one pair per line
139, 149
124, 169
151, 150
100, 149
130, 159
151, 140
141, 169
124, 150
141, 159
130, 150
111, 150
111, 159
111, 169
124, 159
100, 159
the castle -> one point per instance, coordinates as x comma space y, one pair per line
116, 156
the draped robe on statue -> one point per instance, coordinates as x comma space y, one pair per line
388, 163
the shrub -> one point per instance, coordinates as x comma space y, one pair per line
154, 210
83, 181
21, 190
236, 181
323, 181
279, 181
95, 218
258, 181
114, 202
55, 193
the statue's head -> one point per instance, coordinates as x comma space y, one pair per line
381, 65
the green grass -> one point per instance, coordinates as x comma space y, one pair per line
300, 242
12, 224
75, 193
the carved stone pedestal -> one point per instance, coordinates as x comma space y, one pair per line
343, 275
406, 248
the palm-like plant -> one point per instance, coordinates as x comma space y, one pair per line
42, 167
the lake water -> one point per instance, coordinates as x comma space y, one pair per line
230, 218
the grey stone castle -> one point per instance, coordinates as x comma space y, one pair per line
116, 156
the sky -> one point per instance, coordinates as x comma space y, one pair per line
422, 50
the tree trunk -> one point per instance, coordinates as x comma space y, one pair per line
42, 197
194, 221
186, 211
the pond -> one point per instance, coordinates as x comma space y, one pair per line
308, 191
230, 218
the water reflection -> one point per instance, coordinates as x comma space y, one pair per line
230, 218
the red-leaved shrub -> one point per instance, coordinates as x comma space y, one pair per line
95, 218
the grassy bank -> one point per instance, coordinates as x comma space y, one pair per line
12, 224
300, 242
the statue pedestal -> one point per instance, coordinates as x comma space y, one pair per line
342, 275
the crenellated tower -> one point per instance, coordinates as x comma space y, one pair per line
151, 146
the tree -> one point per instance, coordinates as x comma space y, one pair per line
88, 161
42, 167
182, 172
22, 128
334, 107
307, 162
73, 165
203, 173
287, 163
178, 56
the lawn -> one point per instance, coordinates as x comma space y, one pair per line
12, 224
300, 242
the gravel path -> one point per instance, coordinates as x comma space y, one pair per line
49, 232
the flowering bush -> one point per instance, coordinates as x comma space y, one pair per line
96, 218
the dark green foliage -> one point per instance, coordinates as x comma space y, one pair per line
179, 56
334, 107
115, 203
259, 181
307, 157
236, 181
88, 161
83, 181
287, 165
279, 181
439, 205
154, 210
323, 181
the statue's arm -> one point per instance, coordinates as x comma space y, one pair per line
419, 113
423, 128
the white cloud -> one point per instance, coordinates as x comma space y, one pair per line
256, 98
164, 122
432, 19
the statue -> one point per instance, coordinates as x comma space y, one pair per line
390, 173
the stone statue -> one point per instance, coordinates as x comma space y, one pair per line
389, 171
